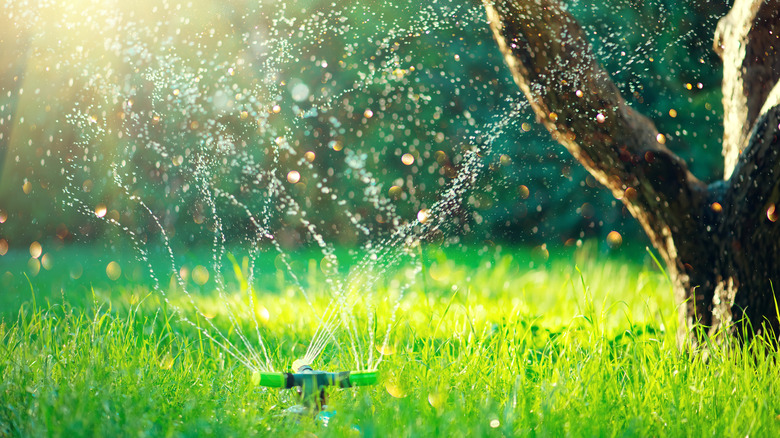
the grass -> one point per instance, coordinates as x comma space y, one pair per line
577, 345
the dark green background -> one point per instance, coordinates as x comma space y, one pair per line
654, 49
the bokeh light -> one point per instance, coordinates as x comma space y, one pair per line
771, 213
614, 239
36, 250
113, 270
100, 210
293, 176
200, 275
47, 262
33, 266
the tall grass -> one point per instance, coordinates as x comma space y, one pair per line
580, 346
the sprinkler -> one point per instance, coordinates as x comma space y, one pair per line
311, 383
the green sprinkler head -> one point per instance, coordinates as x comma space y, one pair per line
312, 383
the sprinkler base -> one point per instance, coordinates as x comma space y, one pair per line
311, 383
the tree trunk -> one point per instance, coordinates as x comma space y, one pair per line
719, 241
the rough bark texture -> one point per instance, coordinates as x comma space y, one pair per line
747, 41
719, 241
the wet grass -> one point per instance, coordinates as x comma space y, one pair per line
578, 345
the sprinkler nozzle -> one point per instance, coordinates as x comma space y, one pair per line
307, 376
312, 383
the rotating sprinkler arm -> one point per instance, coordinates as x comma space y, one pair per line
312, 383
306, 376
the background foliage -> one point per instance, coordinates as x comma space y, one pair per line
433, 94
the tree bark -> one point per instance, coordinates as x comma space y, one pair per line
746, 40
719, 241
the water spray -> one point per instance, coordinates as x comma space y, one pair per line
311, 383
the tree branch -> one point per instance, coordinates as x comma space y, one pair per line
719, 241
553, 64
746, 40
748, 235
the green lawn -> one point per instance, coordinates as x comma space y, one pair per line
486, 343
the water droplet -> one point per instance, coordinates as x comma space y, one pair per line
300, 92
614, 239
47, 262
386, 349
76, 270
600, 118
542, 252
3, 216
771, 213
672, 112
310, 156
660, 138
394, 389
293, 176
166, 362
407, 159
262, 313
494, 423
36, 249
100, 210
33, 266
523, 191
276, 109
27, 187
113, 271
200, 275
368, 113
3, 247
631, 194
578, 93
716, 207
423, 215
437, 399
395, 192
